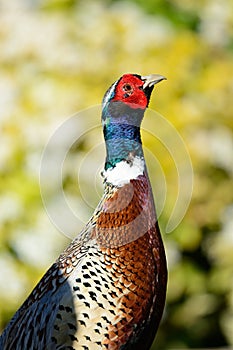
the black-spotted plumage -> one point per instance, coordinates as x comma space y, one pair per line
107, 289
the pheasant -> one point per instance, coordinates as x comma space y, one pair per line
107, 289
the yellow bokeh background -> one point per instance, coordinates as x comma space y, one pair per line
59, 57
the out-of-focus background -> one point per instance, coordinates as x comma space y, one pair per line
58, 57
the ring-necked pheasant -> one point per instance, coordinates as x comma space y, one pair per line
107, 289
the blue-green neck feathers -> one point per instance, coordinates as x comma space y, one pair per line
121, 126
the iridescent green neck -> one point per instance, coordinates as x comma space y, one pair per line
121, 128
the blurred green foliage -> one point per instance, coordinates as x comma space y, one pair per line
58, 57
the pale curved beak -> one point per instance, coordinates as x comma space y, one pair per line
152, 79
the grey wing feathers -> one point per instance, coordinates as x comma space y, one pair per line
34, 321
26, 324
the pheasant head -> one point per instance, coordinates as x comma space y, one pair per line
123, 109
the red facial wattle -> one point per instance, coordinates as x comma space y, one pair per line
129, 90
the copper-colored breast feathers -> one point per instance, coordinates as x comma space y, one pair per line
134, 271
127, 215
128, 235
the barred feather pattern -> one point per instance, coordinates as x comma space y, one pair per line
101, 293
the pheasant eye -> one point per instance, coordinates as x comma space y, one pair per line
128, 89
